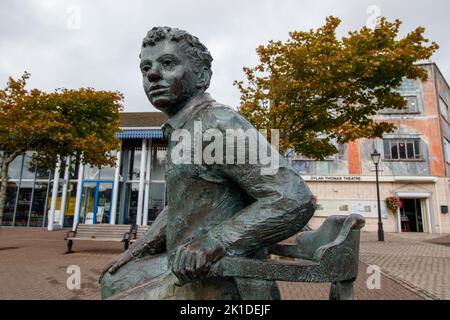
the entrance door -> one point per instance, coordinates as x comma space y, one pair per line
96, 202
411, 216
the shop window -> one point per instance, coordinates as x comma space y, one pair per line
23, 204
43, 173
10, 204
108, 172
131, 202
91, 173
29, 169
158, 164
39, 204
15, 168
402, 149
135, 164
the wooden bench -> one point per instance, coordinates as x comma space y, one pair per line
98, 232
135, 233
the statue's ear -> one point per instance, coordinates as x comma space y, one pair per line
204, 77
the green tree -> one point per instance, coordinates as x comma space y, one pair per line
317, 89
58, 124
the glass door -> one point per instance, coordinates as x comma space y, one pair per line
96, 202
88, 202
103, 211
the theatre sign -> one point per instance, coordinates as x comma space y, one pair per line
334, 178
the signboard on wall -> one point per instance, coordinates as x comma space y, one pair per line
336, 178
368, 209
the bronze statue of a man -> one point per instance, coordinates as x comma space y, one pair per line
214, 209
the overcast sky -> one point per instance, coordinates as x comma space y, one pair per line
96, 43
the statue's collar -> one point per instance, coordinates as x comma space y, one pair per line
180, 118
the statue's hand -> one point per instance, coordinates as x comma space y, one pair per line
152, 242
194, 259
138, 248
117, 263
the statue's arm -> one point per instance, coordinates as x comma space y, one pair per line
283, 204
154, 239
152, 242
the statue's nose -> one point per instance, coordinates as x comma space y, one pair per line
153, 75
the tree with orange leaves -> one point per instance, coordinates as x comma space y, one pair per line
56, 125
318, 89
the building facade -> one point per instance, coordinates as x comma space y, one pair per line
415, 167
133, 192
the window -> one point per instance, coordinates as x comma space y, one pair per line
412, 106
402, 149
443, 107
447, 150
15, 168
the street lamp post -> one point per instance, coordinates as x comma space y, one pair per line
376, 158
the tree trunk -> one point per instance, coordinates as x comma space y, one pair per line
7, 159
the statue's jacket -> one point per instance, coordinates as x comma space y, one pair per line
234, 204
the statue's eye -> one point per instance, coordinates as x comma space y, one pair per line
167, 62
146, 69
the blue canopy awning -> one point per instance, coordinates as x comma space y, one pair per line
140, 134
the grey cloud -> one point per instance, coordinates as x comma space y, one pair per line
103, 53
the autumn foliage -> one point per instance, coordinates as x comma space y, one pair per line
58, 124
319, 90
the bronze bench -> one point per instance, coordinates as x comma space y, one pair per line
328, 255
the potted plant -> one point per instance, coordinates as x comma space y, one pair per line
394, 203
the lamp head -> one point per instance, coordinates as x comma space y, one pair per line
376, 157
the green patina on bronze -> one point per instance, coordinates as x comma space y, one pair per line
215, 212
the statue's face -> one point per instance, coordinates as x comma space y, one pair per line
169, 79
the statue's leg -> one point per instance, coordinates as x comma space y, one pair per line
136, 272
251, 289
342, 290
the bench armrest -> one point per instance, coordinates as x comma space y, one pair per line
70, 234
311, 245
131, 234
126, 236
323, 262
354, 223
269, 270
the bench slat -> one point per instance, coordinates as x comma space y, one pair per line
95, 239
100, 232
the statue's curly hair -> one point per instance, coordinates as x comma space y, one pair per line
195, 50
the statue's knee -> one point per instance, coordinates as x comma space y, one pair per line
106, 284
112, 284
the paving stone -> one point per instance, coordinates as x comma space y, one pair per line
413, 260
34, 265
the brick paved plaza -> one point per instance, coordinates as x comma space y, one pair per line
33, 266
419, 261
